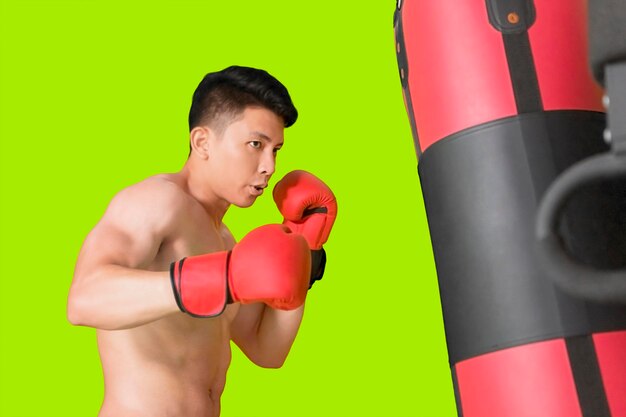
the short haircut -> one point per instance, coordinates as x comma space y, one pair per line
223, 95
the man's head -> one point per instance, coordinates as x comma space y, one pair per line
222, 96
236, 123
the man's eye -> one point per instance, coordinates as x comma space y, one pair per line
276, 150
256, 144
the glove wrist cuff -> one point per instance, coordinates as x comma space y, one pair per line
200, 284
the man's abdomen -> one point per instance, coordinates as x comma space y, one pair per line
173, 367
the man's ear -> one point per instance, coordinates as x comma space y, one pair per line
199, 138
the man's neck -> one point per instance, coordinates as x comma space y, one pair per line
200, 190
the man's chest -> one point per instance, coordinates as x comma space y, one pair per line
192, 235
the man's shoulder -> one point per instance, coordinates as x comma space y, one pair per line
156, 196
156, 191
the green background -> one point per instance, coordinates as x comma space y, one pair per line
94, 97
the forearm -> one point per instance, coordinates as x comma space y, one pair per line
276, 333
114, 297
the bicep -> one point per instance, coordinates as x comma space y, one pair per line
110, 244
127, 235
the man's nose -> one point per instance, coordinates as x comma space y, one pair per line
268, 164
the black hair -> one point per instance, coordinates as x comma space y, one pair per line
225, 94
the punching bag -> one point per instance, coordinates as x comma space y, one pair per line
501, 101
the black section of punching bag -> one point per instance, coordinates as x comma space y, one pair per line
481, 189
607, 34
587, 376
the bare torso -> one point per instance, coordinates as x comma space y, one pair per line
158, 361
174, 366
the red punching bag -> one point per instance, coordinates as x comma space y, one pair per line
501, 101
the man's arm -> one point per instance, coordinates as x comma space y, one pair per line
111, 288
265, 335
309, 206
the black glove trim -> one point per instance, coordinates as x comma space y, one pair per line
172, 280
318, 265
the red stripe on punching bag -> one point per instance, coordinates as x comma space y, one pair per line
458, 72
525, 381
558, 40
611, 351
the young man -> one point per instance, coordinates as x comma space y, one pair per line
162, 279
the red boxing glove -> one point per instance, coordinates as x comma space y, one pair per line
270, 265
308, 206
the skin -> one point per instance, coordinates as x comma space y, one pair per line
158, 361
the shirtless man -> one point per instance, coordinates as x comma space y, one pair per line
164, 325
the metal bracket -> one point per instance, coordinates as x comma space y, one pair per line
511, 16
615, 76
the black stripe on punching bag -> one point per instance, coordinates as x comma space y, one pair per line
587, 377
513, 18
523, 74
457, 394
403, 68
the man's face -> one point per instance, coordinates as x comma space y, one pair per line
243, 158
